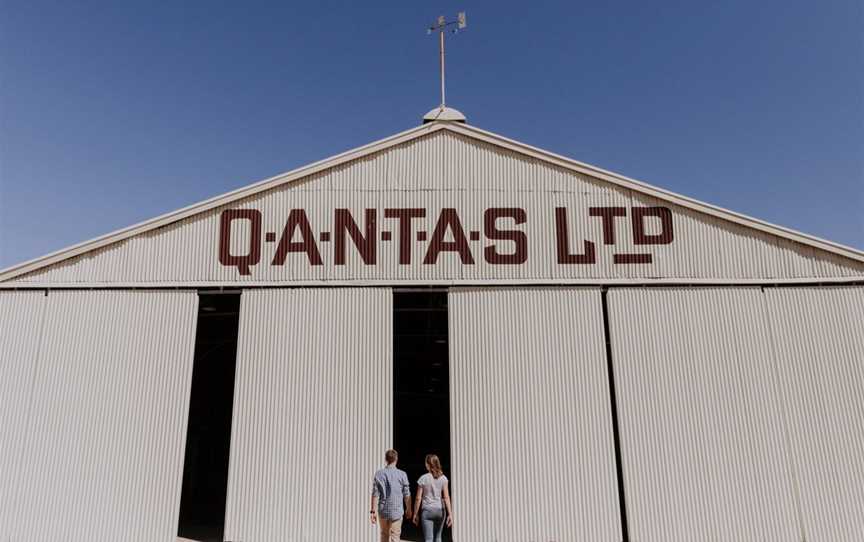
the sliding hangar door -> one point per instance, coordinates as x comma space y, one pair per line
312, 413
94, 396
531, 417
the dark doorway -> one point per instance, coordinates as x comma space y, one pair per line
208, 438
422, 385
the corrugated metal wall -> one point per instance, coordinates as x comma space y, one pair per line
532, 441
313, 413
21, 319
446, 170
703, 448
103, 454
818, 334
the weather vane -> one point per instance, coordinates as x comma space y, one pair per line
441, 26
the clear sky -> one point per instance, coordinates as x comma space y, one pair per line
115, 112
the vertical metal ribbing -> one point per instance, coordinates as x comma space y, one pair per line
22, 318
699, 418
784, 420
312, 416
103, 457
533, 452
818, 337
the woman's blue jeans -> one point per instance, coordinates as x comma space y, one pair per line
432, 522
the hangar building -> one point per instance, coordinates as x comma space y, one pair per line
594, 359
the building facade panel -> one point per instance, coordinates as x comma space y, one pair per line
313, 413
21, 324
500, 216
103, 457
818, 334
531, 423
704, 454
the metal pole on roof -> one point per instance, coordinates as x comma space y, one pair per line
440, 26
441, 46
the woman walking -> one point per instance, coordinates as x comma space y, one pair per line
433, 495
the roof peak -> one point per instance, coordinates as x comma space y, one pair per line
443, 113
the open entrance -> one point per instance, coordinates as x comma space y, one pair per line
208, 438
422, 385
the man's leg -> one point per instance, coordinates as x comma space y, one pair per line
396, 530
384, 524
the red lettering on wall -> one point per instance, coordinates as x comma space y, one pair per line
297, 220
406, 238
650, 226
520, 240
365, 244
664, 237
563, 241
253, 255
608, 215
448, 220
631, 258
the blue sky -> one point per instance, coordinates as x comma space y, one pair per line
112, 112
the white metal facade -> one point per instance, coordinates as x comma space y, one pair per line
440, 170
703, 449
531, 421
21, 324
818, 334
740, 408
313, 413
106, 420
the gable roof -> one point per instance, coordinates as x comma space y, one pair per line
465, 130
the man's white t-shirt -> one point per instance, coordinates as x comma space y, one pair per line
433, 489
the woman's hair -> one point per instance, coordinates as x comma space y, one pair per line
434, 465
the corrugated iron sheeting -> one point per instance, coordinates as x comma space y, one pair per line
21, 319
819, 338
532, 443
446, 170
313, 413
703, 448
103, 456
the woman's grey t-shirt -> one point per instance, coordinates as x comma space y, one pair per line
433, 489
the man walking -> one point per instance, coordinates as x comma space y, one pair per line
391, 498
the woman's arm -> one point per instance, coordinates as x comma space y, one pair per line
447, 504
417, 504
